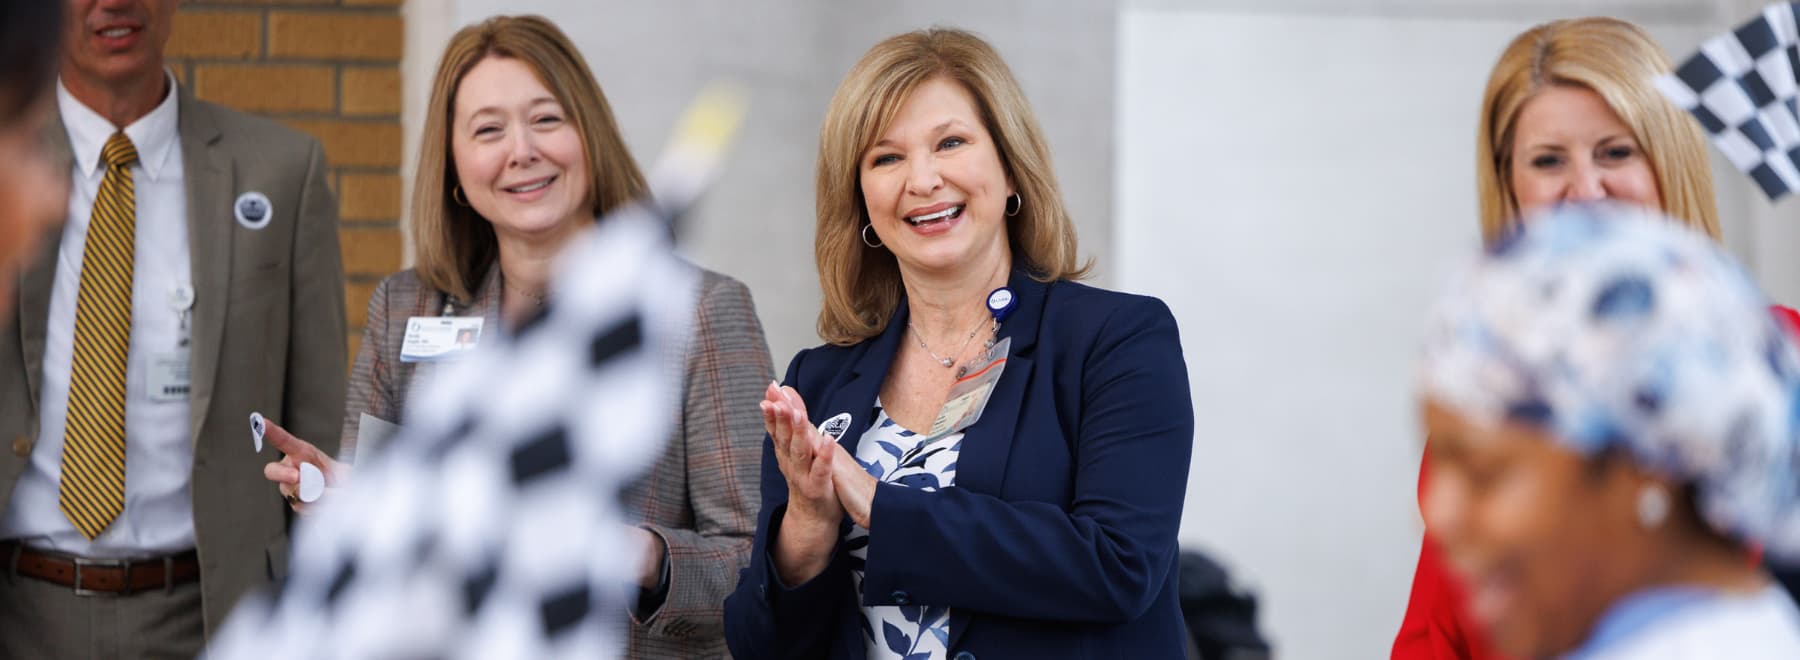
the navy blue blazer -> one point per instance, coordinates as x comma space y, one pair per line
1058, 539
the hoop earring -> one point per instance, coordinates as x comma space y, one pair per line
1014, 203
457, 196
865, 237
1652, 507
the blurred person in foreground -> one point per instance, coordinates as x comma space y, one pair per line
1045, 529
1612, 418
1570, 114
34, 193
196, 278
521, 155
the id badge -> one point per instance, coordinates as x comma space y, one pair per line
432, 338
171, 376
969, 395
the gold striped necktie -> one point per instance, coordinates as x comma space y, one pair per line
92, 493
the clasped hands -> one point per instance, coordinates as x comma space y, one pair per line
824, 481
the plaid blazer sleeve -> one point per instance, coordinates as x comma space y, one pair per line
702, 496
378, 380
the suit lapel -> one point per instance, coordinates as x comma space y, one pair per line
208, 172
988, 444
39, 277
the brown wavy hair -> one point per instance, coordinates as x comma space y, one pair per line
861, 285
454, 245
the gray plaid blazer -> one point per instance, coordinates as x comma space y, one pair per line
701, 496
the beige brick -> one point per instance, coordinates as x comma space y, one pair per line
210, 33
371, 91
369, 197
359, 36
356, 305
266, 88
374, 144
371, 251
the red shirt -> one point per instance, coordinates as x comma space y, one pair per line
1437, 625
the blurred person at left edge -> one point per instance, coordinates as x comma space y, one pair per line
197, 279
35, 190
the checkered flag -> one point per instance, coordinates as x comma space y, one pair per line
493, 526
1741, 86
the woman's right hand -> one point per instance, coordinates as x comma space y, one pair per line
809, 529
286, 472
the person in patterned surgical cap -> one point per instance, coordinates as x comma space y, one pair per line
1612, 413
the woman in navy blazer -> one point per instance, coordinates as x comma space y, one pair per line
1047, 529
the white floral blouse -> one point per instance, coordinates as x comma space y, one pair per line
896, 455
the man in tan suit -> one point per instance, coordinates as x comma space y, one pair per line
197, 280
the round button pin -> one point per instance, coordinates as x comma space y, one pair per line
1000, 303
253, 210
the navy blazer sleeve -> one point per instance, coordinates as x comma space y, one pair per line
1102, 559
765, 618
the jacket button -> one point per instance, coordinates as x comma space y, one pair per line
22, 447
964, 655
901, 598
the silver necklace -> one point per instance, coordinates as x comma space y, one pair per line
947, 362
537, 300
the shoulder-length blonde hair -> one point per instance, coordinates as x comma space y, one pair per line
861, 284
455, 245
1618, 61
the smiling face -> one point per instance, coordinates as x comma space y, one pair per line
1570, 146
1544, 538
933, 185
518, 157
113, 41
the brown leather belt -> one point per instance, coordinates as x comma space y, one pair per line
90, 577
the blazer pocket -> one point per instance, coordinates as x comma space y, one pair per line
259, 282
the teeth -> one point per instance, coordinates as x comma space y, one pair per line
935, 216
533, 187
115, 33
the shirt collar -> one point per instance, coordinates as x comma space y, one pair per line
153, 134
1636, 613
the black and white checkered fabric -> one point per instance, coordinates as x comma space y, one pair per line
493, 527
1742, 88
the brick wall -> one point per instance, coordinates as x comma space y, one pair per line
330, 68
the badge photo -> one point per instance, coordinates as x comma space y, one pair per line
253, 210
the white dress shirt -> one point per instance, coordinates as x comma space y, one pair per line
159, 453
1760, 626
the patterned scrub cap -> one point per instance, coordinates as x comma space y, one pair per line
1617, 328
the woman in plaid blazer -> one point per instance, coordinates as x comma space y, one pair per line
521, 150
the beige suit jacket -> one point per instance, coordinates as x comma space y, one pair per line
268, 336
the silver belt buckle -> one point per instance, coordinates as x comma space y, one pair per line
124, 566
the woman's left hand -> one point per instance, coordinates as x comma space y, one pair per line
855, 486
